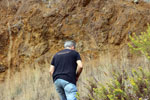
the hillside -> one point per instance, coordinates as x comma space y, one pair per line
33, 30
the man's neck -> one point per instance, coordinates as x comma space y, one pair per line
69, 48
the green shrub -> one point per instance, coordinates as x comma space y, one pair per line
141, 43
123, 86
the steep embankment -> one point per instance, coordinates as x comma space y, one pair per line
33, 30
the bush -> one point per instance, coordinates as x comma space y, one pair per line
141, 43
123, 86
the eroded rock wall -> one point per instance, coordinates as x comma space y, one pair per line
37, 29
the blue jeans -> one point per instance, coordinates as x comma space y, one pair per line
66, 90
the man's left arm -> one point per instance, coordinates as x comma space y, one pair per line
79, 69
51, 69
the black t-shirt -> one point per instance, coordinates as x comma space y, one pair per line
65, 65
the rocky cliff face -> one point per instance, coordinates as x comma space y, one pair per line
33, 30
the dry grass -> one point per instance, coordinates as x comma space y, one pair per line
29, 84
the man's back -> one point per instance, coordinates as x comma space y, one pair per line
65, 65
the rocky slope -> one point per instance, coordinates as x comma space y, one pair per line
33, 30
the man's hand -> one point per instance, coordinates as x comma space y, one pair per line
77, 78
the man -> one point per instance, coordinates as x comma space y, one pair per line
66, 67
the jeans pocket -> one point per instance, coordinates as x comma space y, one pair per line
70, 88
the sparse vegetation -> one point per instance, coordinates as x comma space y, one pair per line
123, 86
141, 43
29, 84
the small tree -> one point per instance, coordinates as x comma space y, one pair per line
141, 43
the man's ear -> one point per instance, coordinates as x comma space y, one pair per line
72, 47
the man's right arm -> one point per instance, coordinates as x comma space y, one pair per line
51, 71
52, 67
79, 68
